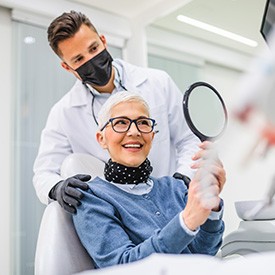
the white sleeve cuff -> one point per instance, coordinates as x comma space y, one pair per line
217, 215
185, 228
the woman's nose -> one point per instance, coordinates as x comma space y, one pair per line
133, 130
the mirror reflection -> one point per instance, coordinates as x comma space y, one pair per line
205, 111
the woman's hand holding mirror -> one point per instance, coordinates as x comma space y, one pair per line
206, 115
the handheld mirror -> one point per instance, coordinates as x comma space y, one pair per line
204, 111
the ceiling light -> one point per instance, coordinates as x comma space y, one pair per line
29, 40
216, 30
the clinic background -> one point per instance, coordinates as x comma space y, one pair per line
143, 33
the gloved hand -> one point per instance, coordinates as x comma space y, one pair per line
182, 177
67, 195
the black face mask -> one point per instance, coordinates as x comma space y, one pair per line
97, 70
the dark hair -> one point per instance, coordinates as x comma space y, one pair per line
65, 26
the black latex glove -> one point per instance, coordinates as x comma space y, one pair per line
182, 177
67, 195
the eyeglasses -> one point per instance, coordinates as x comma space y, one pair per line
123, 124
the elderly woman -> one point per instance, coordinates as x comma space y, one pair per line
128, 215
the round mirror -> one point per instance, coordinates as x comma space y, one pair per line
204, 111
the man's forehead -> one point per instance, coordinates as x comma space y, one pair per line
78, 44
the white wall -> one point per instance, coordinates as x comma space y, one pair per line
5, 139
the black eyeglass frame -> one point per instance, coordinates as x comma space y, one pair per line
131, 121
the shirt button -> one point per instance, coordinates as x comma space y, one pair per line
146, 196
157, 213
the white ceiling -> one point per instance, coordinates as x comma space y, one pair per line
242, 17
125, 8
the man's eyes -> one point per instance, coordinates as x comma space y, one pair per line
93, 49
79, 59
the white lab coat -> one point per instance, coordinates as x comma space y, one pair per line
71, 128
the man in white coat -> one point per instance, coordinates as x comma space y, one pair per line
72, 122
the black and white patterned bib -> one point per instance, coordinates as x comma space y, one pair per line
118, 173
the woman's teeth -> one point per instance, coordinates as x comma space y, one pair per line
132, 145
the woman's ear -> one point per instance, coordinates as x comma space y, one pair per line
101, 140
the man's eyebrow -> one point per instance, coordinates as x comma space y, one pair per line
92, 45
74, 58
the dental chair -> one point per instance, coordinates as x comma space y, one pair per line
58, 249
256, 231
255, 235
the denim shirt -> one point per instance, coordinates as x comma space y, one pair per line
117, 227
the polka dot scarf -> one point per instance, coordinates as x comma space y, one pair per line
119, 173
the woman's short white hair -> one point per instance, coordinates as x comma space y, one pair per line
125, 96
